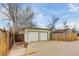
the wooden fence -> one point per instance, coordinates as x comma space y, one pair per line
4, 43
64, 36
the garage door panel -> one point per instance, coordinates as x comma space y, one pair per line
32, 36
43, 36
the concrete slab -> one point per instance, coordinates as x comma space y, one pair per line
47, 48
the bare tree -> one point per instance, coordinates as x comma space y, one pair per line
65, 24
25, 18
53, 22
74, 28
20, 16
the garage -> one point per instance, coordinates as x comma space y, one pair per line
36, 34
43, 35
33, 36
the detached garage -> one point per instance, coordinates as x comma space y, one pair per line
36, 34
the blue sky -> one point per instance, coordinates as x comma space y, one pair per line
44, 12
64, 11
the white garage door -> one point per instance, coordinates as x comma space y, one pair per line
32, 36
43, 35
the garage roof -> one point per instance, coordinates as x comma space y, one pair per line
39, 28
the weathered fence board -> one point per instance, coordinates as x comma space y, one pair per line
64, 36
4, 43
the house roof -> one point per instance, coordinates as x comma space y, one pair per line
60, 31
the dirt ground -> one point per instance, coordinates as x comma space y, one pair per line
47, 48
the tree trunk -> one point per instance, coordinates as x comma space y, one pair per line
25, 45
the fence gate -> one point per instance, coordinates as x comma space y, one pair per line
19, 37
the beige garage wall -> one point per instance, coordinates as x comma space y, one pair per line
36, 30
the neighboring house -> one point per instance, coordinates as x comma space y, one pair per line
62, 31
64, 34
36, 34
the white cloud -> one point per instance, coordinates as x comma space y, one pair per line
65, 16
3, 14
73, 7
70, 23
74, 23
41, 20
